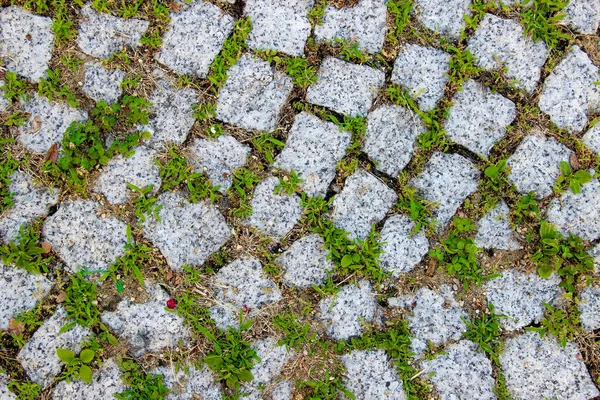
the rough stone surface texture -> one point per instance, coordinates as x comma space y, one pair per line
583, 16
577, 214
445, 17
272, 359
103, 84
592, 138
494, 230
402, 248
306, 262
589, 307
5, 393
106, 383
191, 385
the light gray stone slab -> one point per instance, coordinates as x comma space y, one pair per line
401, 250
502, 43
5, 393
494, 230
521, 297
391, 135
195, 36
447, 180
84, 237
463, 372
4, 102
344, 313
101, 34
537, 368
595, 253
47, 123
305, 262
279, 25
424, 72
253, 94
106, 384
535, 164
272, 359
443, 16
30, 201
364, 201
577, 214
38, 357
583, 16
313, 149
589, 307
273, 214
363, 23
371, 375
147, 327
197, 383
478, 117
26, 42
570, 95
187, 233
219, 158
345, 88
100, 83
592, 138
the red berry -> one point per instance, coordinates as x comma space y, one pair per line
172, 303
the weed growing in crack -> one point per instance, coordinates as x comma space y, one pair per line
350, 51
8, 166
77, 367
14, 88
267, 145
25, 252
317, 12
145, 204
244, 181
295, 334
462, 66
400, 12
570, 179
129, 263
414, 206
543, 20
302, 73
331, 387
485, 332
562, 324
25, 390
140, 384
52, 88
289, 183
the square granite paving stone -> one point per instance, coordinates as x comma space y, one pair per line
253, 94
312, 149
424, 72
30, 201
5, 393
38, 356
371, 375
390, 137
577, 214
346, 88
401, 250
47, 123
186, 233
101, 34
443, 16
478, 117
83, 237
106, 383
502, 43
521, 297
100, 83
26, 42
195, 36
218, 158
266, 372
447, 180
589, 308
461, 372
195, 384
535, 165
273, 214
592, 139
306, 262
21, 291
570, 94
147, 327
583, 16
279, 25
363, 24
494, 230
539, 368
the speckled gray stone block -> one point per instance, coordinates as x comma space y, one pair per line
195, 36
30, 201
401, 250
537, 368
5, 393
26, 42
106, 384
147, 327
494, 231
447, 180
592, 138
569, 93
21, 291
100, 83
279, 25
47, 123
583, 16
272, 359
443, 16
521, 297
364, 201
536, 164
595, 253
274, 214
219, 158
197, 384
390, 138
187, 233
577, 214
4, 102
478, 117
363, 23
38, 357
345, 88
589, 307
83, 237
305, 262
253, 94
424, 72
313, 149
463, 372
370, 375
344, 313
101, 34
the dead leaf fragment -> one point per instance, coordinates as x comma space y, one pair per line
431, 267
36, 124
175, 7
47, 247
15, 327
574, 161
52, 154
61, 297
169, 274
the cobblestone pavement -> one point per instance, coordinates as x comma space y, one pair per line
299, 199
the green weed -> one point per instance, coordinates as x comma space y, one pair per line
14, 88
485, 332
53, 88
289, 183
570, 179
244, 181
129, 263
77, 367
204, 111
152, 39
16, 119
317, 12
214, 131
302, 73
562, 324
145, 204
140, 384
61, 23
295, 334
71, 62
543, 21
267, 145
8, 166
462, 66
25, 252
350, 51
526, 209
331, 387
400, 12
25, 390
417, 208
